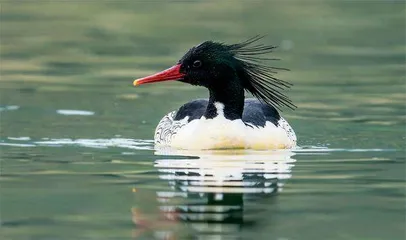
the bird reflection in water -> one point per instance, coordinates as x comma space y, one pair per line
211, 190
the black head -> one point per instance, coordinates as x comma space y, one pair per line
210, 64
217, 65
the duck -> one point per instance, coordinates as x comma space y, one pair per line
227, 119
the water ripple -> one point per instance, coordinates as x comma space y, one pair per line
74, 112
146, 144
137, 144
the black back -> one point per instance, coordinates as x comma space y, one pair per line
255, 112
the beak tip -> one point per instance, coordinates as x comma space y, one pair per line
172, 73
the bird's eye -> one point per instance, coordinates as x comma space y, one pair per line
197, 63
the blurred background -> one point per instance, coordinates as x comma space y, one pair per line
74, 130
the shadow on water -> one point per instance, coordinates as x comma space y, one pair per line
217, 194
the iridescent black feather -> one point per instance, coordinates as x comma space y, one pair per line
260, 79
257, 78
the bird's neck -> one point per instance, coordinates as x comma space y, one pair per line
227, 100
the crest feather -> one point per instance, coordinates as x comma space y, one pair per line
261, 81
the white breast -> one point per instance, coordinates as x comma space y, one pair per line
221, 133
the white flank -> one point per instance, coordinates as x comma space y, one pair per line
221, 133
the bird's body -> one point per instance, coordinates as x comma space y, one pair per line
226, 120
261, 127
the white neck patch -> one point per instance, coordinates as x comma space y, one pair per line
220, 108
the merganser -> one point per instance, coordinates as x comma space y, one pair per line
226, 120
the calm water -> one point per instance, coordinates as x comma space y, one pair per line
77, 159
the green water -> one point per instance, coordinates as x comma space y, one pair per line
95, 174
